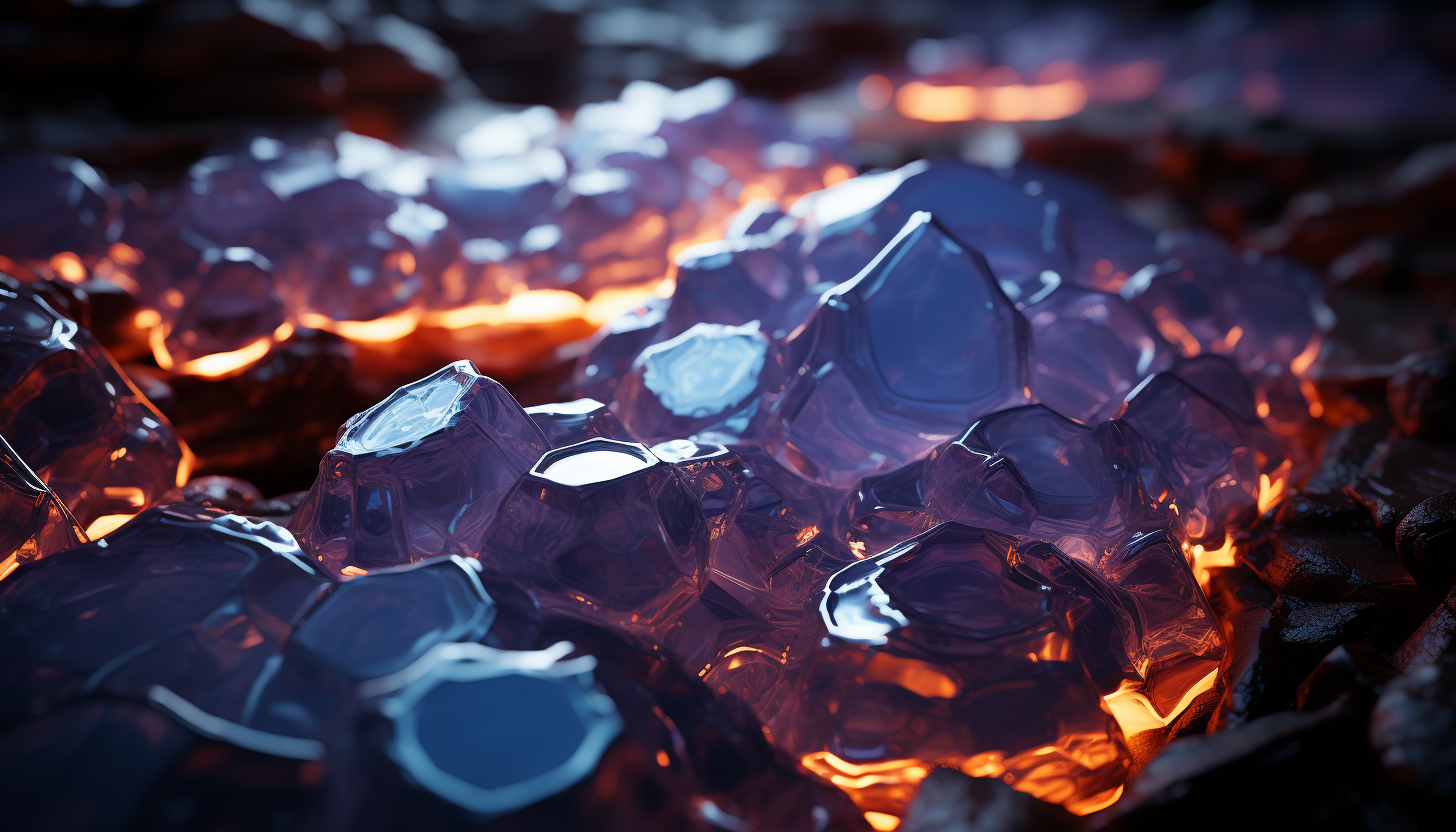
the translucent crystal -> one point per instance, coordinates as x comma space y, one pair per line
567, 423
1090, 349
420, 474
907, 354
603, 530
76, 420
36, 522
939, 652
53, 204
704, 379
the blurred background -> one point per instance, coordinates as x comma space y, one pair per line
1326, 132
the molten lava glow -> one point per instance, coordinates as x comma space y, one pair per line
68, 267
106, 524
1203, 559
1011, 102
1135, 714
881, 822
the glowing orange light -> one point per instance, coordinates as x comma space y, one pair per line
1302, 362
146, 318
1204, 559
874, 92
662, 758
125, 254
69, 267
283, 332
221, 364
837, 173
913, 675
1271, 490
354, 571
881, 822
106, 524
185, 464
378, 331
134, 496
924, 102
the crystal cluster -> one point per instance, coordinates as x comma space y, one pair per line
533, 219
909, 475
79, 434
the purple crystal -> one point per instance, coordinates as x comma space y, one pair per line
35, 521
614, 348
1194, 453
908, 353
420, 474
1090, 350
603, 530
940, 652
706, 379
229, 302
739, 281
545, 709
75, 419
567, 423
191, 600
52, 204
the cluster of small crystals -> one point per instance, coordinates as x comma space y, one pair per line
360, 237
911, 470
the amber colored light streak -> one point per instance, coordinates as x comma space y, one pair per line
106, 524
881, 822
69, 267
1012, 102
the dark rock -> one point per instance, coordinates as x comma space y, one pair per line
1345, 456
949, 801
1431, 639
1426, 546
1413, 729
1400, 474
1422, 394
1307, 632
1284, 769
1256, 679
1354, 669
1329, 568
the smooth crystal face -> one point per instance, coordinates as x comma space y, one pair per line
35, 521
190, 601
595, 462
548, 710
940, 651
705, 379
419, 475
605, 531
75, 419
735, 282
911, 351
567, 423
235, 304
1194, 453
1090, 350
614, 348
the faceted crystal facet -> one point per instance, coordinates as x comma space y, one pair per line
420, 474
75, 419
603, 530
567, 423
545, 714
1090, 350
908, 353
940, 652
194, 601
36, 522
1194, 453
705, 379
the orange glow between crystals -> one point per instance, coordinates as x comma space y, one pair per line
106, 524
1010, 102
69, 267
881, 822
